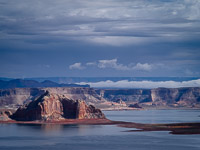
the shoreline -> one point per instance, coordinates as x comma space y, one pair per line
140, 109
173, 128
64, 121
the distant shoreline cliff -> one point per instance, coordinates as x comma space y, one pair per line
112, 99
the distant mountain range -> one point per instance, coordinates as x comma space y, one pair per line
71, 80
19, 83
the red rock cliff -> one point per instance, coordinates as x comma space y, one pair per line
56, 107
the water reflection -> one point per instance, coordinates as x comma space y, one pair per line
51, 128
47, 128
58, 129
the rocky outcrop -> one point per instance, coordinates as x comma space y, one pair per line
120, 102
5, 115
50, 106
136, 105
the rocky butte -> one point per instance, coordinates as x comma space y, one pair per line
56, 107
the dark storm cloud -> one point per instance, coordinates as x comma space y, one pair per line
140, 31
95, 21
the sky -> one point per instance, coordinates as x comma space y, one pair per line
101, 38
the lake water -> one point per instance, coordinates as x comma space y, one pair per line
103, 137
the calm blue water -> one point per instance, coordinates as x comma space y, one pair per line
103, 137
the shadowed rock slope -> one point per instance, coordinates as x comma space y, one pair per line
51, 107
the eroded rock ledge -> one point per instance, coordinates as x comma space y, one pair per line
53, 107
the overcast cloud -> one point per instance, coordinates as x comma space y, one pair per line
148, 38
112, 22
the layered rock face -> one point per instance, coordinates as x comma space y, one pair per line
50, 106
169, 97
106, 98
19, 96
178, 96
127, 95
